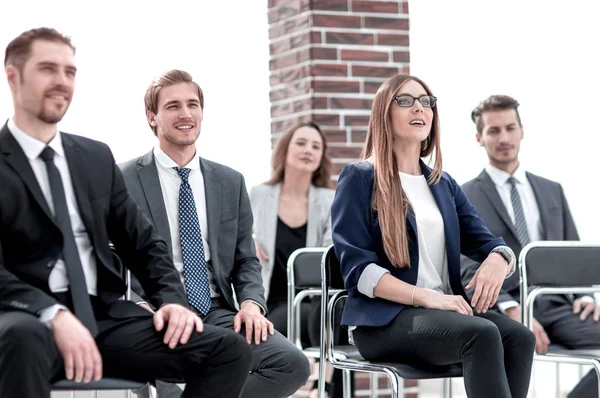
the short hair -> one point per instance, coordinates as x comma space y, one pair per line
18, 50
169, 78
491, 104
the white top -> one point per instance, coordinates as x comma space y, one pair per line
170, 183
58, 280
433, 262
530, 206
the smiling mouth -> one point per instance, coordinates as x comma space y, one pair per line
184, 127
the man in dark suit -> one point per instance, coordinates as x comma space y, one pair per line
62, 201
522, 207
202, 210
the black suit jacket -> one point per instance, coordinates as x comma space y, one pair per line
31, 242
555, 215
233, 264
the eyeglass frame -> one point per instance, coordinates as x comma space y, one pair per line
396, 97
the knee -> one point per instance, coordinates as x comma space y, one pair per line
523, 338
487, 333
23, 335
298, 363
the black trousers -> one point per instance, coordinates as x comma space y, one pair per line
496, 352
214, 363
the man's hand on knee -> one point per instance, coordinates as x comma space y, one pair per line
78, 348
181, 322
251, 315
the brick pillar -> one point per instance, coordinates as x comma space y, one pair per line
328, 58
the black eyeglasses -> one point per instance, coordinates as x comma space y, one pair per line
406, 101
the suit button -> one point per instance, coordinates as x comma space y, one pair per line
51, 264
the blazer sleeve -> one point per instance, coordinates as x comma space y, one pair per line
17, 295
247, 279
327, 221
141, 248
351, 217
476, 241
569, 225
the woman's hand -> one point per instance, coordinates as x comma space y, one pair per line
487, 282
438, 301
261, 254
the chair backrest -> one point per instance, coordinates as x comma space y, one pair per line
560, 264
304, 268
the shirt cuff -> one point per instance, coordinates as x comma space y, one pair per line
262, 310
370, 278
48, 314
588, 299
503, 306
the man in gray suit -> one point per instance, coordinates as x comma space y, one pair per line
522, 207
202, 210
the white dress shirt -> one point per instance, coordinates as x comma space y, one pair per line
58, 280
433, 261
170, 183
531, 210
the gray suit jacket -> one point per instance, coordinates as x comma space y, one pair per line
265, 201
233, 264
555, 215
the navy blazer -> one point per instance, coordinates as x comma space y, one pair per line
358, 242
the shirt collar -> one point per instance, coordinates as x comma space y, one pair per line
33, 147
166, 162
500, 177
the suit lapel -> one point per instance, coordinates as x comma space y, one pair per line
490, 191
270, 222
539, 194
79, 179
150, 183
15, 157
212, 192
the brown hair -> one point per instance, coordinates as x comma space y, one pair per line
18, 51
169, 78
491, 104
390, 200
321, 177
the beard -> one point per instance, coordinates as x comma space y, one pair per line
184, 141
52, 114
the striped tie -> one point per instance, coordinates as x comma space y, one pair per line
520, 223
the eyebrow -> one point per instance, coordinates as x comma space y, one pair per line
175, 102
50, 63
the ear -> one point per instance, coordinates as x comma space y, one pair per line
12, 76
522, 132
479, 139
151, 117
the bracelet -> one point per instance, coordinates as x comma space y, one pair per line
412, 297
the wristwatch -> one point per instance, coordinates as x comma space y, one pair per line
506, 253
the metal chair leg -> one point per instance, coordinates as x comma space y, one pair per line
374, 384
152, 391
447, 388
72, 394
95, 394
396, 385
557, 380
346, 384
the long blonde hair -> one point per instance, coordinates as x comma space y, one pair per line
390, 200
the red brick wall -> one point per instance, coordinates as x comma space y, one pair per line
328, 58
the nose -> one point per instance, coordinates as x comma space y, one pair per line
417, 106
185, 113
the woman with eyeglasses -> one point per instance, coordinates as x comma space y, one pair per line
292, 211
398, 228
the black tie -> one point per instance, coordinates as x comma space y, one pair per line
79, 294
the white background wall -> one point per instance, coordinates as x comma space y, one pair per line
541, 52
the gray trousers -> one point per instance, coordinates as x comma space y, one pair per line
555, 314
278, 367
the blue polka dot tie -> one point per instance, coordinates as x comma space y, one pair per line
192, 249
